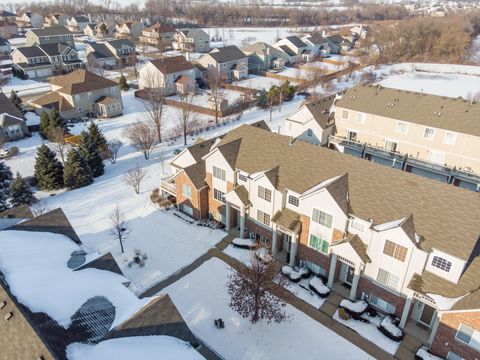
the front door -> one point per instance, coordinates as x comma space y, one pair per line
286, 243
427, 314
346, 273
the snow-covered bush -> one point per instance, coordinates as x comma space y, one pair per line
287, 270
263, 255
423, 354
355, 309
295, 276
389, 328
244, 243
318, 287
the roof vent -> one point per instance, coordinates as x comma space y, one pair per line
435, 113
8, 316
2, 304
440, 114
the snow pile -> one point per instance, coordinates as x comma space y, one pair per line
355, 307
443, 303
264, 255
140, 348
35, 267
244, 243
389, 328
389, 225
287, 270
317, 285
423, 354
302, 291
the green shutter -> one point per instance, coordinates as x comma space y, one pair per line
324, 247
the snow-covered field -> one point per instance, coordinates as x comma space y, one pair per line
300, 337
259, 82
26, 87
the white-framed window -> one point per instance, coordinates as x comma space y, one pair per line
77, 97
219, 195
402, 127
242, 177
293, 200
468, 336
450, 138
264, 218
436, 157
316, 269
357, 225
345, 114
453, 356
187, 191
429, 133
360, 118
219, 173
264, 194
382, 304
387, 279
441, 263
390, 145
322, 218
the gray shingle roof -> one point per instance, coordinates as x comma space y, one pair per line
7, 107
51, 31
227, 53
295, 40
31, 51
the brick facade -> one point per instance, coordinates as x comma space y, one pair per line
307, 253
264, 233
368, 287
445, 340
199, 200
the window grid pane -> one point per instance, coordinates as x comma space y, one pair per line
441, 263
293, 200
219, 173
389, 248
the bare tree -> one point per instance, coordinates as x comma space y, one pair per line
186, 120
132, 60
57, 138
142, 137
254, 292
134, 177
113, 148
154, 101
315, 76
215, 83
120, 227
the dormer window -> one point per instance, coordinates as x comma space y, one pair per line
428, 133
441, 263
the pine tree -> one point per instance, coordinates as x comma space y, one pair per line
20, 192
44, 124
5, 181
15, 100
96, 136
77, 173
89, 152
123, 83
56, 120
48, 170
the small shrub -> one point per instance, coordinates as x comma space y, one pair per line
13, 151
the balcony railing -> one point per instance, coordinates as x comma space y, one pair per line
168, 184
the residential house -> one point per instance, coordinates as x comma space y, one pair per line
105, 29
171, 74
428, 135
7, 16
33, 329
8, 29
5, 58
45, 60
130, 29
262, 57
13, 124
295, 48
191, 40
369, 231
90, 29
29, 19
111, 53
313, 122
317, 44
80, 93
50, 35
158, 35
338, 45
77, 23
360, 31
229, 61
56, 19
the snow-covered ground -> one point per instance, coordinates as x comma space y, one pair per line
259, 82
202, 297
370, 332
302, 291
26, 87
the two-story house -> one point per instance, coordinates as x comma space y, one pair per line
45, 60
158, 34
338, 44
8, 29
77, 23
56, 19
313, 122
130, 29
390, 238
29, 19
79, 93
191, 40
428, 135
170, 74
229, 61
13, 124
262, 57
295, 48
317, 44
49, 35
111, 53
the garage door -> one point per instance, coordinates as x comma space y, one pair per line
44, 72
186, 209
31, 74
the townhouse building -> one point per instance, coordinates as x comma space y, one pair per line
77, 23
49, 35
229, 61
45, 60
158, 34
429, 135
5, 58
390, 238
191, 40
81, 93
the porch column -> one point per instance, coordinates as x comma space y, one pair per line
356, 278
227, 215
434, 327
331, 272
242, 222
274, 240
406, 311
293, 250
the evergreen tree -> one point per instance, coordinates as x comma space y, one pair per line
97, 137
77, 173
44, 124
48, 170
5, 181
56, 120
123, 83
89, 152
15, 100
20, 192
